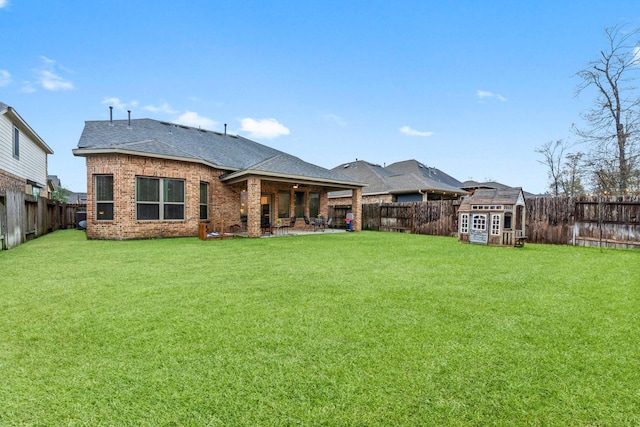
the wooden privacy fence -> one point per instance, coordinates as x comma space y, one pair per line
24, 217
584, 221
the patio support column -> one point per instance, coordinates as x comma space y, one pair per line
254, 190
356, 208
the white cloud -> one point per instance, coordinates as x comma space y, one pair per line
263, 128
51, 81
117, 104
190, 118
486, 94
5, 77
47, 60
4, 3
412, 132
48, 77
335, 119
636, 55
164, 108
27, 87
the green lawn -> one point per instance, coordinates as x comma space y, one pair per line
349, 329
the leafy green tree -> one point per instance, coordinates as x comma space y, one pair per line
60, 194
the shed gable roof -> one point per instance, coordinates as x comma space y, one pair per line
493, 196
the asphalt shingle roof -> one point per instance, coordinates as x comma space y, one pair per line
228, 152
401, 177
488, 196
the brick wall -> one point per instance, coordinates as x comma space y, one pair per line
224, 201
11, 182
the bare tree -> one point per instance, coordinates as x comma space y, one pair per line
553, 158
612, 122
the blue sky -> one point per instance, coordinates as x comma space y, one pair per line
469, 87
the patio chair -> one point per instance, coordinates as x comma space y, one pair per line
292, 223
265, 225
307, 223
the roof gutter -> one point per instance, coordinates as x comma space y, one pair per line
11, 112
241, 175
82, 152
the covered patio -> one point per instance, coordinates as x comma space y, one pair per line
271, 205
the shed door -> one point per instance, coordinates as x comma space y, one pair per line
479, 232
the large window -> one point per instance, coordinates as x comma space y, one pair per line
464, 223
284, 204
16, 142
204, 200
298, 200
104, 197
159, 199
314, 204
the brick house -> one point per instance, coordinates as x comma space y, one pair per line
150, 179
23, 180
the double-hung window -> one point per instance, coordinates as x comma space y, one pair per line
104, 197
159, 199
314, 204
284, 203
16, 142
204, 200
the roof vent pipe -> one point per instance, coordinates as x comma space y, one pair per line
225, 128
110, 116
129, 125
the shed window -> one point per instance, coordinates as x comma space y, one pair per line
16, 142
495, 225
464, 223
159, 199
479, 222
104, 197
204, 200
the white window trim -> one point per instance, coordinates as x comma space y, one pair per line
464, 223
479, 222
495, 224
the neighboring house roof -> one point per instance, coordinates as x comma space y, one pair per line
474, 185
237, 155
409, 176
471, 185
374, 175
54, 180
23, 126
493, 196
412, 175
77, 198
428, 173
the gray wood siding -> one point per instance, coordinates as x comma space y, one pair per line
32, 163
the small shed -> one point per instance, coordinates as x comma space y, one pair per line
493, 217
